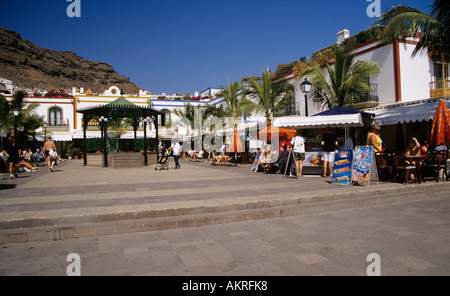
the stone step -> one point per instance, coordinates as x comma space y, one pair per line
83, 225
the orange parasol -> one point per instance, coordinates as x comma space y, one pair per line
282, 132
236, 144
440, 131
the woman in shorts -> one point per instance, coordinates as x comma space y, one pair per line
329, 143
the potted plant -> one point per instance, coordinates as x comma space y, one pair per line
72, 150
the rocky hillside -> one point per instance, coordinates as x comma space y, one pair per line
30, 66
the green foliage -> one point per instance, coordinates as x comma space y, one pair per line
433, 31
4, 114
347, 83
72, 150
27, 120
283, 69
364, 36
271, 96
235, 100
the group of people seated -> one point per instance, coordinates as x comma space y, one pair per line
270, 162
427, 155
223, 158
196, 155
31, 157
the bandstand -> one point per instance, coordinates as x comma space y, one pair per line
118, 109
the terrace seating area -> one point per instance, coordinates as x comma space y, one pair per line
399, 167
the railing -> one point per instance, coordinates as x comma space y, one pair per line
371, 96
367, 100
60, 122
439, 89
287, 112
115, 145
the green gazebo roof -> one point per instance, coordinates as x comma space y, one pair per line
121, 102
119, 108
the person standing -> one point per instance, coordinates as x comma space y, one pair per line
176, 152
298, 148
49, 145
329, 144
282, 161
374, 139
11, 150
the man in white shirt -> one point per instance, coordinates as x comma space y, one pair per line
298, 148
176, 151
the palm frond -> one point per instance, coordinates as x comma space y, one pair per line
433, 31
347, 81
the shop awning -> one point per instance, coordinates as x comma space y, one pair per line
320, 121
68, 136
416, 111
342, 110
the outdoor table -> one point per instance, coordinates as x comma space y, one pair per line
417, 161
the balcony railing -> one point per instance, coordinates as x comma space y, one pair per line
287, 112
439, 89
56, 123
369, 99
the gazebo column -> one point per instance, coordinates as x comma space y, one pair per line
105, 145
145, 142
135, 126
103, 121
85, 123
155, 120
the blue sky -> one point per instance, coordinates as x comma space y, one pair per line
183, 46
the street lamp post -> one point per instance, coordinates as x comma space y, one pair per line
45, 125
103, 121
16, 115
146, 120
306, 88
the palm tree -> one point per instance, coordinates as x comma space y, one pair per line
271, 96
119, 126
433, 30
4, 114
26, 119
189, 112
347, 83
235, 101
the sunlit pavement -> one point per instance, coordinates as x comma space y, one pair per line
410, 236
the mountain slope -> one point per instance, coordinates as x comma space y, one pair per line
30, 66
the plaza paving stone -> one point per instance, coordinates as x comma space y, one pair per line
411, 234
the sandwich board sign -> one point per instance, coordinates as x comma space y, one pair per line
291, 164
342, 167
256, 161
364, 165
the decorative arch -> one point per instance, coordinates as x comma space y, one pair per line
167, 117
55, 116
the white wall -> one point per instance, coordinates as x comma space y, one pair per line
384, 57
46, 103
416, 74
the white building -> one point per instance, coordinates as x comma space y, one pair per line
6, 85
402, 79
